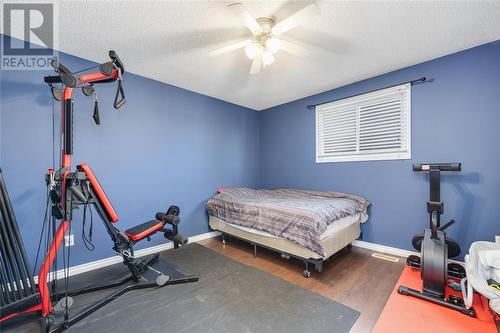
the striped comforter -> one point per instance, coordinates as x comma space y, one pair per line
297, 215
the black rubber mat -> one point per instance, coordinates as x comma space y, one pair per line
230, 297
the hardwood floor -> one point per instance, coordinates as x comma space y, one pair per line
352, 277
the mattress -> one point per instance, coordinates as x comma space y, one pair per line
337, 236
300, 216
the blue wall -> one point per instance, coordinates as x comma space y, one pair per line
165, 146
455, 117
172, 146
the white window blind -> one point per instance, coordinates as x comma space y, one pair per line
373, 126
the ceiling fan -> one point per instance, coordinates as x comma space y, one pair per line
266, 39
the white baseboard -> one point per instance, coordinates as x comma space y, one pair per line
391, 250
384, 249
79, 269
204, 236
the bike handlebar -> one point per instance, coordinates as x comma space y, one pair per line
437, 166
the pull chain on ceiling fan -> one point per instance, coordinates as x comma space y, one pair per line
266, 39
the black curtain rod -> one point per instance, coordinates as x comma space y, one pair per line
422, 79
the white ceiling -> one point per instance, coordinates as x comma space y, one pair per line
350, 41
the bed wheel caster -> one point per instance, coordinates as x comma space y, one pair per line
306, 274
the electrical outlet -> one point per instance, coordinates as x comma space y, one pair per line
69, 240
497, 239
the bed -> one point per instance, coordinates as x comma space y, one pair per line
308, 225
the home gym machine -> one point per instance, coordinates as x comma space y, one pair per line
68, 190
435, 248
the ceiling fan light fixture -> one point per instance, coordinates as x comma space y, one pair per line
264, 42
267, 58
273, 44
251, 50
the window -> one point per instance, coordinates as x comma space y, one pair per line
372, 126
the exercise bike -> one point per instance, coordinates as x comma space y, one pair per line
435, 248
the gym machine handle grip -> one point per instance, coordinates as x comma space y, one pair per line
120, 98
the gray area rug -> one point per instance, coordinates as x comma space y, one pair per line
230, 297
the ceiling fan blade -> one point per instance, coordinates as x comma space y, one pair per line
242, 12
294, 20
230, 47
256, 64
294, 48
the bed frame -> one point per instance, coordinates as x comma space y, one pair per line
333, 243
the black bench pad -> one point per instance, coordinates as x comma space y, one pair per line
144, 230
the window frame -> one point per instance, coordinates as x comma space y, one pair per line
363, 156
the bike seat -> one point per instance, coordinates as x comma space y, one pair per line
144, 230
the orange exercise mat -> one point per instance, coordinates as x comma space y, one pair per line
407, 314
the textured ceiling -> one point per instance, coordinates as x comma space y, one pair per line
350, 41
